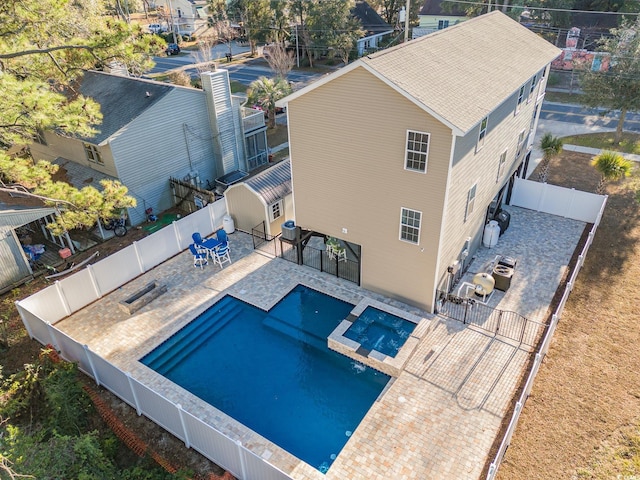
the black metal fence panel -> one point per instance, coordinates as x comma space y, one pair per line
504, 323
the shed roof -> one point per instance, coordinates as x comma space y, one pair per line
13, 216
121, 99
461, 73
272, 184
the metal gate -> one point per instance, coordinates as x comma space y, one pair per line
504, 323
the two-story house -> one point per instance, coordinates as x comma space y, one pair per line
433, 16
402, 152
186, 17
152, 131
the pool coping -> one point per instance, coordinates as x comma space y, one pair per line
392, 366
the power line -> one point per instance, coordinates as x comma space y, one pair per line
546, 9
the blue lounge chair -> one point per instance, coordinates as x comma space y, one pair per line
199, 256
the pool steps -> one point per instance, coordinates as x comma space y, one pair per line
191, 337
295, 332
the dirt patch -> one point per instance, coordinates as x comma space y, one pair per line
588, 387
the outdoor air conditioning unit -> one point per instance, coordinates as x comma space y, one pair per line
289, 230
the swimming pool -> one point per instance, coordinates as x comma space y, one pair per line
272, 371
380, 331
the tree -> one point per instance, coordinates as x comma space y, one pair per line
39, 74
551, 147
256, 18
265, 92
331, 25
612, 166
619, 87
280, 60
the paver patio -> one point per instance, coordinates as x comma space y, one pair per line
438, 419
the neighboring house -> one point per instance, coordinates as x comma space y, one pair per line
404, 151
14, 264
374, 27
265, 197
186, 17
433, 17
152, 131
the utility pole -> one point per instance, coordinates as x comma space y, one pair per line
406, 21
297, 51
173, 26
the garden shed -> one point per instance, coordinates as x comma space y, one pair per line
14, 265
264, 197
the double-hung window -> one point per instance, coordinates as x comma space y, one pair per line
483, 133
471, 200
443, 24
520, 98
417, 151
93, 154
501, 164
410, 225
532, 89
520, 144
275, 211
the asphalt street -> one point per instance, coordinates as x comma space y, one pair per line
593, 116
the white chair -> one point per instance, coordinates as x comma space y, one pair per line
199, 256
221, 254
331, 253
341, 253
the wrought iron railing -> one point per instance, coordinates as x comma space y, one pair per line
504, 323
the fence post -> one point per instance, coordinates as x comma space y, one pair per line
94, 282
243, 466
187, 442
63, 299
138, 257
464, 317
133, 393
87, 352
212, 216
176, 230
51, 331
24, 321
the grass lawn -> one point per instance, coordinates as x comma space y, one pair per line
277, 136
562, 97
582, 419
630, 141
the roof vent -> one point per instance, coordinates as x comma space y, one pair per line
147, 94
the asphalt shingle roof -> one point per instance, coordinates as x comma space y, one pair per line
462, 73
434, 7
121, 99
369, 19
272, 184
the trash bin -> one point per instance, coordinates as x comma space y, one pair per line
228, 224
503, 218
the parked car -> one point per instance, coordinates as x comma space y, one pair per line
157, 28
172, 49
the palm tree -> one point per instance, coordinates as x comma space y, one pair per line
612, 166
551, 147
265, 92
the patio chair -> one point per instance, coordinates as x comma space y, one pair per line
341, 253
199, 256
221, 254
221, 235
207, 244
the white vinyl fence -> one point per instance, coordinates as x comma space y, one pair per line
546, 341
564, 202
42, 310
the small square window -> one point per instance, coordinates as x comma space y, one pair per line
410, 225
471, 199
275, 211
501, 165
483, 133
417, 151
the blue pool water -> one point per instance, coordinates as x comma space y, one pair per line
272, 371
381, 331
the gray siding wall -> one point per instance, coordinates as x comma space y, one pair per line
12, 263
224, 118
172, 139
481, 167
